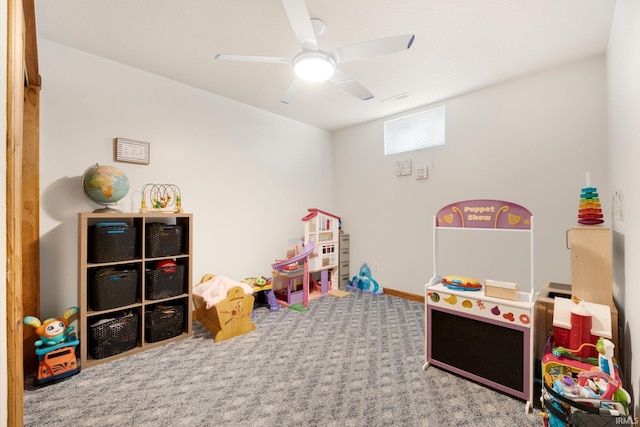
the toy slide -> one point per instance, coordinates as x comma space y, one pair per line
308, 250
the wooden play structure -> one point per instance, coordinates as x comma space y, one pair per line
230, 316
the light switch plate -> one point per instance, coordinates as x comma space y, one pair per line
422, 172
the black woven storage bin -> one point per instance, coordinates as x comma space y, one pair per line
111, 288
163, 240
113, 335
111, 241
163, 322
164, 282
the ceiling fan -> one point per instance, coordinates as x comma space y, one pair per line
313, 64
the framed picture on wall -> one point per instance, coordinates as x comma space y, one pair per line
131, 151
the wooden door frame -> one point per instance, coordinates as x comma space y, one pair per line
22, 147
30, 187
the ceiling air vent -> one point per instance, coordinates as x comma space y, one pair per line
396, 98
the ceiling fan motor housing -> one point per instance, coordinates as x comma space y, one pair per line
314, 66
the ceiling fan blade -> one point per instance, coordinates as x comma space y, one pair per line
373, 48
251, 58
291, 91
341, 79
301, 23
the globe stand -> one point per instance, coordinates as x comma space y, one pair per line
107, 209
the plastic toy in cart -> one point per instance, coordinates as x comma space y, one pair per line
583, 391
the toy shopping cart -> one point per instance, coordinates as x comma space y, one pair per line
562, 411
579, 392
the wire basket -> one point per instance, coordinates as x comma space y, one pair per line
163, 240
163, 322
565, 412
111, 288
113, 335
164, 282
111, 241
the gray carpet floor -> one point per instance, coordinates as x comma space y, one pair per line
352, 361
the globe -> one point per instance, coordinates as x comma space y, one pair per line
105, 185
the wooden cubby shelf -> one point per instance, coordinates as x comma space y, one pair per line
87, 269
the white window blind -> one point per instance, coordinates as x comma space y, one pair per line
414, 132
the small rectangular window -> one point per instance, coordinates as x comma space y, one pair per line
414, 132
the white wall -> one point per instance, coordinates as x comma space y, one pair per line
248, 176
623, 66
529, 141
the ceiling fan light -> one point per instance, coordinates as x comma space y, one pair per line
314, 66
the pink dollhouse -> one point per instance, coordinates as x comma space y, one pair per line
322, 228
320, 268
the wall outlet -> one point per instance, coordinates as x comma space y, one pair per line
376, 267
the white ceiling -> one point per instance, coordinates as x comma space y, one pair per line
460, 46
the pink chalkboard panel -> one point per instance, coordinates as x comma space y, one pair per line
484, 213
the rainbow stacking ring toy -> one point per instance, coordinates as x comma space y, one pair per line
590, 209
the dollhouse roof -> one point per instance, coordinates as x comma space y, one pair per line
314, 212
